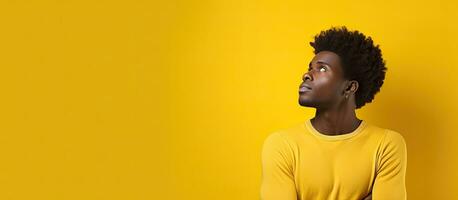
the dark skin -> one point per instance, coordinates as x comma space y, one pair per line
331, 94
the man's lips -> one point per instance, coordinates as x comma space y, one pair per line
304, 88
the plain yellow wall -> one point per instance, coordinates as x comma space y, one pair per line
172, 100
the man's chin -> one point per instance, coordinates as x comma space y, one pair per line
305, 103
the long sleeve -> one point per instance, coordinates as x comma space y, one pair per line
391, 169
277, 169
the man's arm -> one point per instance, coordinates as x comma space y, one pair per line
277, 172
391, 169
368, 197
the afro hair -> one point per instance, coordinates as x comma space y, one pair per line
361, 59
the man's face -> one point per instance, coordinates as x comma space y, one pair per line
323, 84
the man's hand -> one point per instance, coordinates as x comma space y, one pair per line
368, 197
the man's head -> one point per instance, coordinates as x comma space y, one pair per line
346, 64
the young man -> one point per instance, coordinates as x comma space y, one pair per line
335, 155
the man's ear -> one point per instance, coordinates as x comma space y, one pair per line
352, 87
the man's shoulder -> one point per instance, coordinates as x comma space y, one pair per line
288, 134
394, 137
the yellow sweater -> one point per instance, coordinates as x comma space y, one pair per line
300, 163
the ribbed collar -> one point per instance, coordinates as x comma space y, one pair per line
313, 131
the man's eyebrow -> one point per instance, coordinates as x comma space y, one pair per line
319, 62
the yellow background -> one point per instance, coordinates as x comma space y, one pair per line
172, 100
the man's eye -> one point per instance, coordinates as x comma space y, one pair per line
322, 69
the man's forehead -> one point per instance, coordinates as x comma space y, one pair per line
326, 57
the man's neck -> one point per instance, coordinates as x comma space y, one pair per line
335, 121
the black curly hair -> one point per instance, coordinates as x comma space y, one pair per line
361, 59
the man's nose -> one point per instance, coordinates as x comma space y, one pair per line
306, 76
